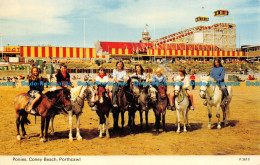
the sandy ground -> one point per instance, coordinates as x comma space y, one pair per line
240, 137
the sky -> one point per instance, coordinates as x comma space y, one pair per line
81, 23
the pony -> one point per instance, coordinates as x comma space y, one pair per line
213, 96
159, 107
132, 94
56, 97
103, 105
181, 104
79, 95
122, 107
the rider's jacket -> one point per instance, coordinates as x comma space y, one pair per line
218, 74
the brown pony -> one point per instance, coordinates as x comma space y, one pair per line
103, 106
160, 107
47, 105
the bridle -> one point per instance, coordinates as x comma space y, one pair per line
207, 93
181, 95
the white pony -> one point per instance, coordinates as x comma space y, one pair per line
181, 105
213, 95
78, 95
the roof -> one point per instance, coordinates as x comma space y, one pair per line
131, 46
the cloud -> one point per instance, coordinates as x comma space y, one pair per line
35, 17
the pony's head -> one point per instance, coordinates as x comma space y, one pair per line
143, 99
152, 94
61, 96
162, 91
101, 93
91, 93
204, 86
134, 88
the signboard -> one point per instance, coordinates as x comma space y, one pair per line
13, 59
14, 49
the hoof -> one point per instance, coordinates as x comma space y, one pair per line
219, 127
178, 132
52, 133
43, 140
79, 139
18, 137
71, 139
185, 131
100, 136
107, 137
209, 126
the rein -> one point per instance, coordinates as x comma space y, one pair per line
179, 95
207, 92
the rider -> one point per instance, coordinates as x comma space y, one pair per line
158, 79
36, 89
101, 80
218, 73
63, 77
119, 76
139, 72
186, 83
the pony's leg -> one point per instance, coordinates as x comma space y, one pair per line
225, 115
122, 123
107, 123
163, 121
100, 123
209, 115
51, 125
18, 121
42, 138
179, 121
218, 116
100, 130
115, 116
47, 119
184, 120
129, 118
157, 123
79, 138
146, 118
71, 124
141, 120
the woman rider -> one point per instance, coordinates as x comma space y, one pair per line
218, 73
119, 76
36, 88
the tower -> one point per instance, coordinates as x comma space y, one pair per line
146, 35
